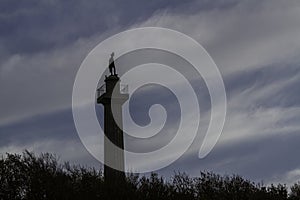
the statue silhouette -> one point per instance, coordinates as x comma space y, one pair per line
112, 68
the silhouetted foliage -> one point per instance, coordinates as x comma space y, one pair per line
295, 191
35, 178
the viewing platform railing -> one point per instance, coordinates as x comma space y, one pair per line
102, 90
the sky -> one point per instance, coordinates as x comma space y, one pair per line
254, 43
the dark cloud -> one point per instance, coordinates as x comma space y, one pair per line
55, 126
281, 79
259, 159
54, 133
29, 26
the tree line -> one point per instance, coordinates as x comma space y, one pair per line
42, 177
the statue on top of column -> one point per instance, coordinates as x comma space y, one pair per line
112, 68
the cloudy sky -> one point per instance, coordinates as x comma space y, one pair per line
255, 44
